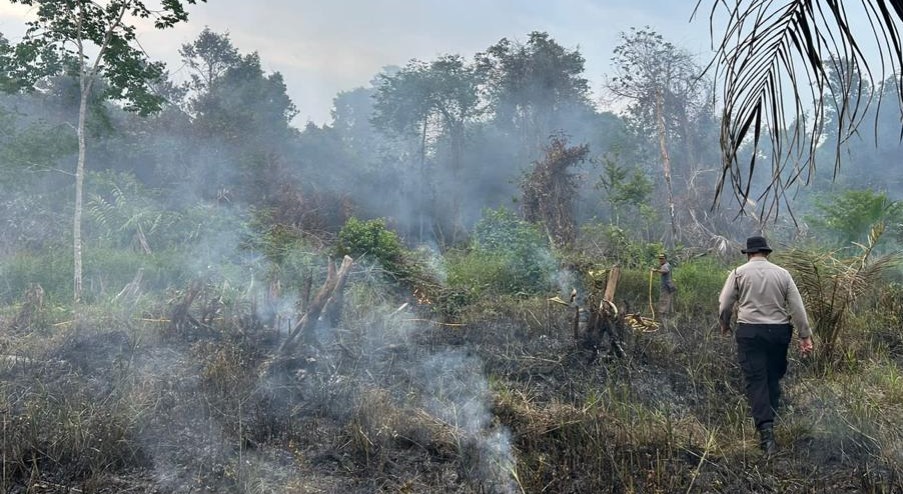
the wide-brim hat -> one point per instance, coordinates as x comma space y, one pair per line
756, 244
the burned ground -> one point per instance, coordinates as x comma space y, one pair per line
504, 402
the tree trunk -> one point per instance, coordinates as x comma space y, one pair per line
79, 186
458, 228
85, 82
666, 161
611, 285
423, 181
601, 316
84, 85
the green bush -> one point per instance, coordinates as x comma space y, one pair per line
633, 289
373, 241
107, 270
292, 258
699, 284
613, 243
471, 273
507, 256
51, 268
277, 242
848, 216
299, 263
121, 212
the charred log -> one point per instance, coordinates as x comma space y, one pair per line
599, 318
329, 294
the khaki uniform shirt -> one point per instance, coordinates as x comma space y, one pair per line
765, 294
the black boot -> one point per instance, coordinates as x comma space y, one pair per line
766, 440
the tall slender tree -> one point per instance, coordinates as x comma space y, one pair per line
93, 41
662, 84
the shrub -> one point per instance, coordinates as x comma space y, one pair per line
633, 289
849, 215
507, 255
699, 284
473, 272
604, 241
51, 268
108, 270
292, 258
832, 287
371, 239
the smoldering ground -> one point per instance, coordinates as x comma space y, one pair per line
392, 399
206, 409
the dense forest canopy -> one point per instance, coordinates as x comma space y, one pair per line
427, 146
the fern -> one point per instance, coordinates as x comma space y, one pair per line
125, 213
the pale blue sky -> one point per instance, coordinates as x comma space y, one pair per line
323, 47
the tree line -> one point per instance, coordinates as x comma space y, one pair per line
429, 146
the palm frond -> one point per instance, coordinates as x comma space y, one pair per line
771, 57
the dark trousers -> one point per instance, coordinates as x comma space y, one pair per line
762, 351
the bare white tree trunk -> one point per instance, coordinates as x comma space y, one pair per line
79, 186
85, 82
666, 160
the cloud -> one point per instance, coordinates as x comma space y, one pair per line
14, 11
12, 20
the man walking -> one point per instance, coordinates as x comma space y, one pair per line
767, 301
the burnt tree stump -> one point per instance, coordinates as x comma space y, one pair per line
600, 317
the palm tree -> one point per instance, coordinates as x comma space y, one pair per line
772, 56
831, 285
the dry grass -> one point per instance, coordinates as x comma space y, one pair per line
506, 403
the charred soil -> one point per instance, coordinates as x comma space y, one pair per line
504, 402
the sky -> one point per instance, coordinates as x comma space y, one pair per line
324, 47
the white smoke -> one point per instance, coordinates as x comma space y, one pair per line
458, 394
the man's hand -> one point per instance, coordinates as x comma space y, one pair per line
725, 329
806, 346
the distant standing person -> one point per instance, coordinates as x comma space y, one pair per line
665, 297
767, 301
